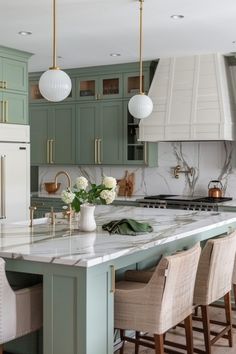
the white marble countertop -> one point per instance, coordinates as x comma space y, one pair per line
63, 245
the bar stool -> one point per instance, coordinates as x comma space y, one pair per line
21, 311
160, 304
214, 281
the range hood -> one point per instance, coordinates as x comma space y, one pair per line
192, 99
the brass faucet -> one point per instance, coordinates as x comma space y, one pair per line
177, 171
32, 210
63, 173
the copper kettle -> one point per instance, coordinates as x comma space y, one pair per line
216, 191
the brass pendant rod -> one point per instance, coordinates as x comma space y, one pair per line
54, 50
141, 47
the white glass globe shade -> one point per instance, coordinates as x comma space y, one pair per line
55, 85
140, 106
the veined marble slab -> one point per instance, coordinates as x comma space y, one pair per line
62, 244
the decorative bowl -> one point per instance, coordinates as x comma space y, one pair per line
51, 187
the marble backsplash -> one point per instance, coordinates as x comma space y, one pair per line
208, 160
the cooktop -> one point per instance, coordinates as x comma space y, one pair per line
184, 198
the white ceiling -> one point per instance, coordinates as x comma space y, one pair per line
89, 30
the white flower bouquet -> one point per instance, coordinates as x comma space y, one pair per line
103, 193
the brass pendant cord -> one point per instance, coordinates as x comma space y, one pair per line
54, 50
141, 47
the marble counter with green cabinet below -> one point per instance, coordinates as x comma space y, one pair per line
78, 268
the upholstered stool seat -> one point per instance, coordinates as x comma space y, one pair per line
160, 304
21, 311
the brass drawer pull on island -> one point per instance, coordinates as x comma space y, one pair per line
2, 112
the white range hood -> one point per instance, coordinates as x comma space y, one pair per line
192, 98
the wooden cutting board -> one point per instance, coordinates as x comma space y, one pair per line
126, 185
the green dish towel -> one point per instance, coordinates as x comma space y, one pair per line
127, 227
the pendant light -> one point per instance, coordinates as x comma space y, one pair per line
54, 84
140, 106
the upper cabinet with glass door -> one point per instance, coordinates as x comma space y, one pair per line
99, 87
132, 83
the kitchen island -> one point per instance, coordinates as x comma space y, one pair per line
78, 268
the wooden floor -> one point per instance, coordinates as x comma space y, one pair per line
177, 335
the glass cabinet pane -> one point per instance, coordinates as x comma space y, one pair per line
35, 94
135, 152
87, 88
133, 84
110, 86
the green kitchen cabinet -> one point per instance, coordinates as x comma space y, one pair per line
43, 205
101, 87
13, 75
13, 86
131, 83
137, 152
13, 108
52, 134
99, 131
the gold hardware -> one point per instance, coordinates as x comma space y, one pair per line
96, 96
1, 84
145, 153
51, 151
6, 111
99, 151
177, 171
32, 210
67, 175
48, 151
4, 84
2, 111
95, 151
52, 216
99, 96
113, 279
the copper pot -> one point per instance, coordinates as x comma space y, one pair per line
215, 189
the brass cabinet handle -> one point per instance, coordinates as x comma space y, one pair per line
1, 84
6, 111
51, 151
48, 151
145, 153
96, 96
95, 151
113, 279
99, 151
4, 84
2, 111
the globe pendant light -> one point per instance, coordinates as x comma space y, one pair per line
140, 106
54, 84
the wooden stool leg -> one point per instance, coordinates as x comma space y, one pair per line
123, 342
137, 342
206, 328
159, 343
228, 315
189, 334
1, 349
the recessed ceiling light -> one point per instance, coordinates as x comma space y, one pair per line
115, 54
25, 33
234, 42
177, 17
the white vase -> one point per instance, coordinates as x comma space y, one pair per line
87, 221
